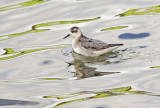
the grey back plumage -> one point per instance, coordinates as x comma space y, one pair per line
92, 44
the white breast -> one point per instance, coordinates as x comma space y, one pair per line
79, 49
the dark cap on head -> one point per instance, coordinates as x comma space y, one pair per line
74, 29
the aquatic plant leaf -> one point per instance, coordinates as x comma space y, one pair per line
63, 22
142, 11
103, 94
62, 103
35, 30
21, 5
53, 78
9, 51
19, 34
19, 53
61, 97
155, 67
123, 89
29, 31
113, 28
53, 97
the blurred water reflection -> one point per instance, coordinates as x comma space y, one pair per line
8, 102
84, 71
133, 36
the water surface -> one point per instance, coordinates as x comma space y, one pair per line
40, 70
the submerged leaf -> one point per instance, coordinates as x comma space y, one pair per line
142, 11
35, 30
9, 51
112, 28
155, 67
63, 22
21, 5
19, 53
114, 92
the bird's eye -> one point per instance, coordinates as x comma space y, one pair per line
72, 31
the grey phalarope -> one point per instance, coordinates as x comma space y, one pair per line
89, 47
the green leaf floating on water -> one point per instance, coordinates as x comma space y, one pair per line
63, 103
35, 30
19, 53
53, 78
63, 22
8, 51
142, 11
112, 28
21, 5
98, 94
123, 89
53, 97
9, 36
155, 67
103, 94
59, 97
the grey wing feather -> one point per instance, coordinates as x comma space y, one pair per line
93, 44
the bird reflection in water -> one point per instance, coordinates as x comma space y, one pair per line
83, 71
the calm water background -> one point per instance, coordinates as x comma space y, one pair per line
39, 70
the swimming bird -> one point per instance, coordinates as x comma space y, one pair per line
87, 46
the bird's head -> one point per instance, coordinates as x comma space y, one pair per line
75, 32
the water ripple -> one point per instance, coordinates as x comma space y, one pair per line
21, 5
36, 30
8, 102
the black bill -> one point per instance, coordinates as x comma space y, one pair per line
66, 36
